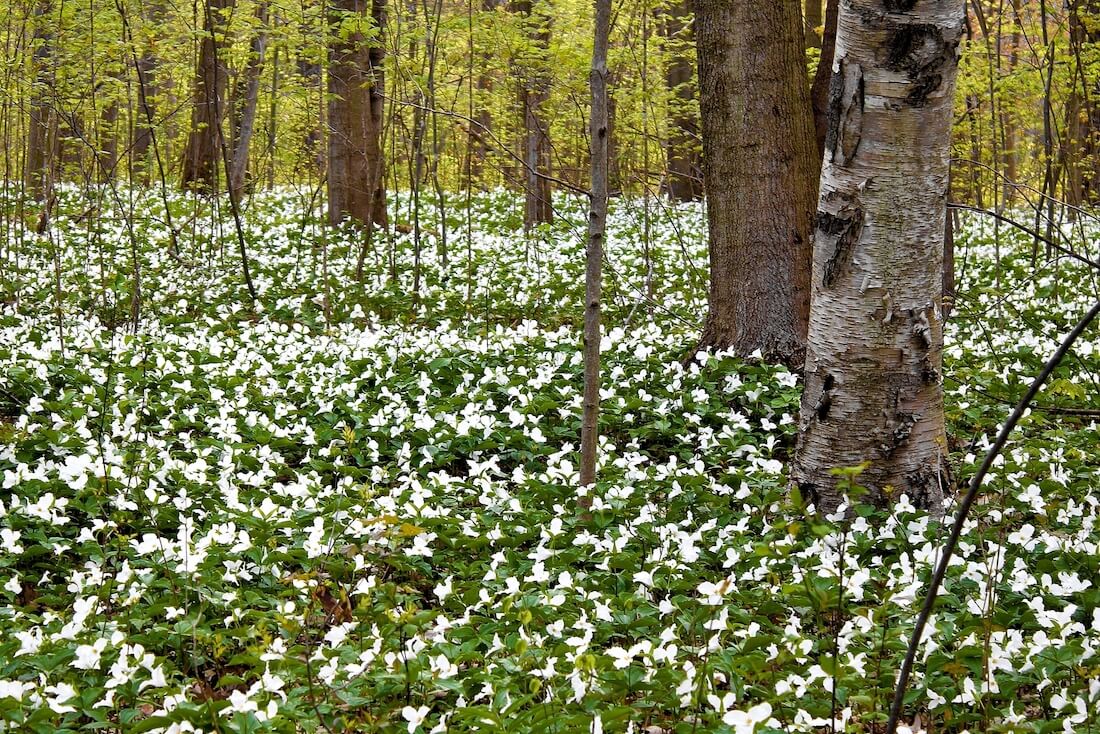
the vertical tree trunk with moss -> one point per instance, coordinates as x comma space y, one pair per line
685, 175
355, 94
873, 389
141, 153
760, 172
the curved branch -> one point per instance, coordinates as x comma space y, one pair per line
964, 509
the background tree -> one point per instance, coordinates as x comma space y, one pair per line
814, 22
873, 365
203, 152
42, 125
823, 74
599, 135
760, 169
355, 84
685, 175
1083, 105
534, 95
246, 100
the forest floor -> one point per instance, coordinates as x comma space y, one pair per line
354, 507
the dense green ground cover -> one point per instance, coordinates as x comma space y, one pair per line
355, 510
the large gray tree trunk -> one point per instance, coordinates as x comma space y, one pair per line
873, 388
760, 168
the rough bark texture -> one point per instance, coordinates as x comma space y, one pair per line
355, 87
760, 172
819, 93
247, 98
873, 390
685, 171
599, 134
534, 95
201, 156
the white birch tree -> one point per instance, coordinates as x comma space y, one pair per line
874, 388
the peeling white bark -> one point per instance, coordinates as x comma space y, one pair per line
874, 354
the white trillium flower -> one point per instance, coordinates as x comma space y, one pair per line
745, 722
58, 696
415, 716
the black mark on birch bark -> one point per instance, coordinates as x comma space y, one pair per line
843, 229
899, 6
920, 321
825, 402
930, 482
921, 326
845, 112
809, 492
922, 52
899, 426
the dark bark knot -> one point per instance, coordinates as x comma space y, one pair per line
825, 402
845, 112
921, 51
920, 321
927, 485
921, 326
899, 6
900, 427
844, 230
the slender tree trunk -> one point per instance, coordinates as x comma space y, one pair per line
272, 115
535, 94
107, 146
819, 94
814, 22
310, 73
1009, 153
484, 86
760, 175
1082, 132
201, 156
597, 219
355, 116
41, 138
873, 366
142, 131
248, 97
685, 174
